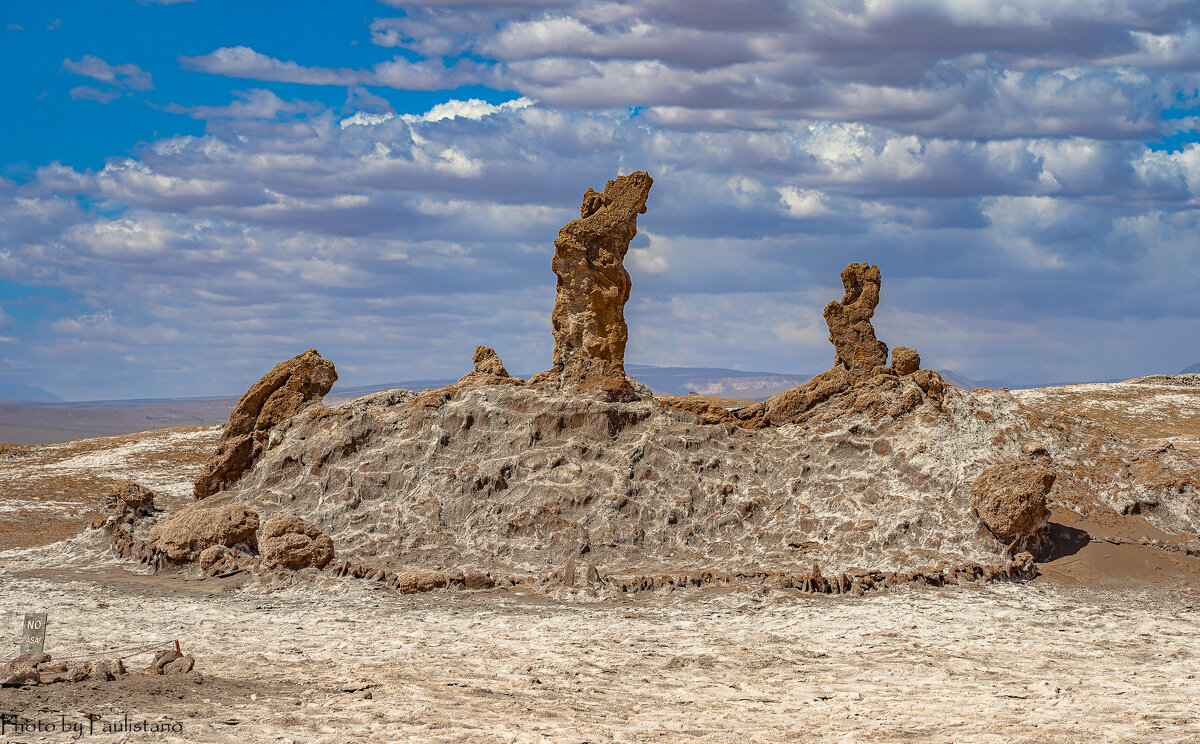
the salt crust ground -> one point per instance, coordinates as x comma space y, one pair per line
1003, 664
52, 491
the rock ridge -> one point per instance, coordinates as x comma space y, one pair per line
287, 389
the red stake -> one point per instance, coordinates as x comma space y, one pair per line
178, 653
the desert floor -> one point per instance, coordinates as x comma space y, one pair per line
1007, 663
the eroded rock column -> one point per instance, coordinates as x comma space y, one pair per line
850, 331
593, 286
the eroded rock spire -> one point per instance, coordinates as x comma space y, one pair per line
850, 330
589, 312
860, 379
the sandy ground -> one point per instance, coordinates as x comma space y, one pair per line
1005, 663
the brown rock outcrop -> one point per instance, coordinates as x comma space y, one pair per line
478, 581
905, 361
288, 541
20, 677
593, 286
222, 560
281, 393
1011, 502
29, 659
489, 370
129, 499
133, 510
185, 534
36, 668
413, 582
849, 321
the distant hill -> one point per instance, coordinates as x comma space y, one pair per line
714, 381
28, 422
19, 391
958, 380
1192, 370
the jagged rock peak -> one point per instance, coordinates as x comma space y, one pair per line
488, 369
488, 361
850, 331
283, 392
593, 286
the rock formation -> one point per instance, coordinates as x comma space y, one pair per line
589, 311
281, 393
858, 381
127, 525
130, 500
183, 535
489, 370
850, 482
288, 541
850, 330
905, 361
37, 668
1011, 502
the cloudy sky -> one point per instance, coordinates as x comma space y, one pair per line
192, 191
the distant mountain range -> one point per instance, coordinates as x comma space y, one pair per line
41, 420
715, 381
38, 422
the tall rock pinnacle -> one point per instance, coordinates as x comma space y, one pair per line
850, 330
593, 286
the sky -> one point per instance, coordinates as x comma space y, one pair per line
192, 191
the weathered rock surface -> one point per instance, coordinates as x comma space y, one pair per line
593, 286
222, 560
29, 659
905, 361
37, 668
287, 541
181, 665
1011, 501
20, 677
131, 518
412, 582
520, 479
283, 392
185, 534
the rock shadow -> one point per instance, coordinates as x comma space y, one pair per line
1063, 541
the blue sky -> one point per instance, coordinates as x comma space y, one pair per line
192, 191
